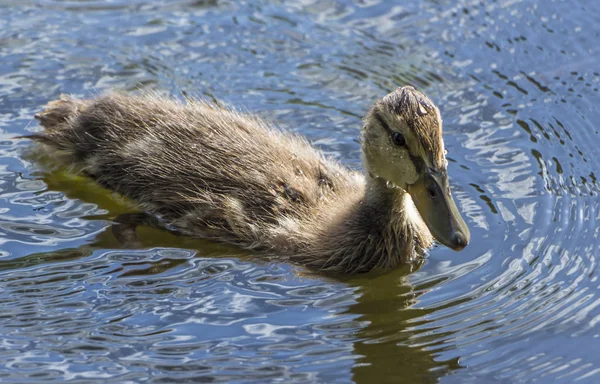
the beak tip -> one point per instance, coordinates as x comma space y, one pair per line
459, 241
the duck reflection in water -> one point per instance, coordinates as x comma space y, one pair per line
382, 308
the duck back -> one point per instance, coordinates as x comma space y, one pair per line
201, 168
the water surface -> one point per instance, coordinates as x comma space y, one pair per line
517, 83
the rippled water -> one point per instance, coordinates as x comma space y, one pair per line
517, 83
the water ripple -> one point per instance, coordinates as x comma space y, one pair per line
517, 87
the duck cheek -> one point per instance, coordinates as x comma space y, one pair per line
403, 173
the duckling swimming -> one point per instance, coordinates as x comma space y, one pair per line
208, 171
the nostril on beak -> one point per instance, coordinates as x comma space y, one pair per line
459, 240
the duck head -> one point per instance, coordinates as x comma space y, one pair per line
402, 144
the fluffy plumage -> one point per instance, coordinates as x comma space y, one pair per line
212, 172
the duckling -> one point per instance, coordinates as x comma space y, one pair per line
208, 171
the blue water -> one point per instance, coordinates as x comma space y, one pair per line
517, 83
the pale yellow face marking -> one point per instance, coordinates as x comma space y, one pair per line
412, 114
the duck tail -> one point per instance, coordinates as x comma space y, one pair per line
57, 119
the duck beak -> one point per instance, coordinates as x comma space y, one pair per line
431, 195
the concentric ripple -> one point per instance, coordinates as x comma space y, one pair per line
518, 87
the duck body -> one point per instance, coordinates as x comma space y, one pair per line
212, 172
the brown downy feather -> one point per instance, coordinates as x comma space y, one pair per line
212, 172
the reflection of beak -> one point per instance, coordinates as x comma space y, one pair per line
431, 195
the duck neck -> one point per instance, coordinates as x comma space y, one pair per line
402, 231
382, 196
382, 231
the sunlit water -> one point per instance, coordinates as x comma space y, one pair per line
517, 83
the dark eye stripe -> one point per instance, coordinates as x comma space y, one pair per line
418, 162
393, 134
383, 123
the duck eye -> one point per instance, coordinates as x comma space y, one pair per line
398, 139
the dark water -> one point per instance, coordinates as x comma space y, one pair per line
517, 83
